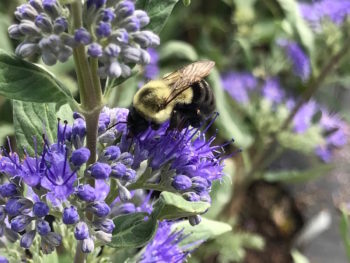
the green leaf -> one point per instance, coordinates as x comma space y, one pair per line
21, 80
133, 230
32, 120
158, 11
295, 176
4, 24
178, 50
229, 123
5, 130
173, 206
186, 2
207, 229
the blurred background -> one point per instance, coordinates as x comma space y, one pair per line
281, 82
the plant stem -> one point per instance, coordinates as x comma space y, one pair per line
89, 86
79, 255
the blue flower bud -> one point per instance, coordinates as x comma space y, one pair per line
40, 209
87, 245
8, 190
146, 38
108, 15
126, 70
48, 57
70, 215
77, 115
142, 17
191, 196
60, 25
43, 22
103, 236
43, 227
79, 128
14, 207
26, 49
195, 220
106, 225
131, 24
130, 175
86, 193
27, 239
181, 182
82, 36
200, 184
126, 158
80, 156
37, 4
112, 50
25, 11
20, 222
124, 8
99, 208
120, 36
114, 70
131, 54
15, 32
103, 29
3, 259
99, 170
118, 170
51, 7
205, 197
81, 231
111, 153
29, 28
145, 57
95, 50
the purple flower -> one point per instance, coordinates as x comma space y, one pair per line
100, 170
151, 71
43, 227
182, 182
86, 193
302, 120
300, 61
40, 209
80, 156
70, 215
165, 246
273, 91
238, 85
81, 231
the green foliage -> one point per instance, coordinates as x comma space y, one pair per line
31, 121
173, 206
21, 80
5, 130
186, 2
133, 230
178, 50
196, 235
158, 11
298, 257
297, 176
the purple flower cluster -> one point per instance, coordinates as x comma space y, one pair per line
165, 246
43, 29
333, 10
118, 40
300, 61
56, 179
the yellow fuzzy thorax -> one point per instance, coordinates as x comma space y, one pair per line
150, 99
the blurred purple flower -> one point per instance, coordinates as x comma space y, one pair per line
238, 85
334, 10
151, 71
273, 91
298, 58
302, 120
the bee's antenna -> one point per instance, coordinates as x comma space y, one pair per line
115, 124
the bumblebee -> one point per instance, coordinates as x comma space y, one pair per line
183, 97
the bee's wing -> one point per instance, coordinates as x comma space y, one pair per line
183, 78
